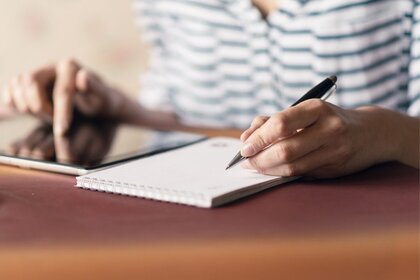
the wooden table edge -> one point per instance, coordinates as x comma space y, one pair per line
384, 255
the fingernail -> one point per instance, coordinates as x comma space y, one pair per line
248, 150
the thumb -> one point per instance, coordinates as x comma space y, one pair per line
93, 94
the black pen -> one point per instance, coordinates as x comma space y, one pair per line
323, 90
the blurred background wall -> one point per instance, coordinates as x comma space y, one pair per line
101, 34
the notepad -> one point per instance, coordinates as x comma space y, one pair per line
194, 175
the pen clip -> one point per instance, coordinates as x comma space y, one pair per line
329, 92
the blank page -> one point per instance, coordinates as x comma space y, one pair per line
192, 175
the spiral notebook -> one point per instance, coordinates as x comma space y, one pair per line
193, 175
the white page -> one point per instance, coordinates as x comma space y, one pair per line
197, 169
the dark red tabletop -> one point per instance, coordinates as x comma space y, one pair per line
43, 208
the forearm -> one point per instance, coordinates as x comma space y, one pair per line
132, 112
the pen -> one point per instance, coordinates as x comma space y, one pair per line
323, 90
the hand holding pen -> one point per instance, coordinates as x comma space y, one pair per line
323, 90
318, 139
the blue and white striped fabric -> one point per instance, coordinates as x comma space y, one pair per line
219, 63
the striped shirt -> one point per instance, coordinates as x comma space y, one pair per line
219, 63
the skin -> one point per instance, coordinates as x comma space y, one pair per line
314, 138
319, 139
266, 6
55, 92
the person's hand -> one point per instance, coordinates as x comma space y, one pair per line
86, 143
55, 92
319, 139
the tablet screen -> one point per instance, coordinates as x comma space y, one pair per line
89, 144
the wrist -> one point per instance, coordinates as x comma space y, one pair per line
409, 140
132, 112
395, 135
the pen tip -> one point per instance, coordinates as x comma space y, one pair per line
333, 78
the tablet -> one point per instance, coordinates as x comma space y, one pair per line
89, 146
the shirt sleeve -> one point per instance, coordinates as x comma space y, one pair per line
154, 90
414, 67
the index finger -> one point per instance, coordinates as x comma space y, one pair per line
256, 123
282, 125
63, 95
37, 91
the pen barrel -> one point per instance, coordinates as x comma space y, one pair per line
316, 92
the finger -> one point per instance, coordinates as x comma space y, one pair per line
63, 95
18, 95
37, 98
7, 97
45, 74
300, 167
281, 125
18, 88
256, 123
311, 163
290, 149
43, 106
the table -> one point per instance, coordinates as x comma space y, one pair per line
364, 226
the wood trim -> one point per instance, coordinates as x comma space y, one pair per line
385, 256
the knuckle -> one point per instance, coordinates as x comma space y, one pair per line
280, 123
259, 140
84, 74
82, 78
338, 125
67, 64
259, 120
